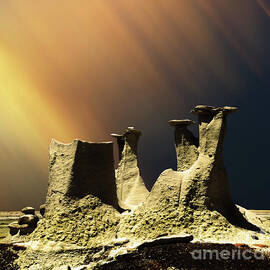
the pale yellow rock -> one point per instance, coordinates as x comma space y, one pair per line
80, 169
186, 144
131, 190
196, 199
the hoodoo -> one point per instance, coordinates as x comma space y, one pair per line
82, 228
206, 184
131, 190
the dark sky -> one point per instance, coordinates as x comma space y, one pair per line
84, 71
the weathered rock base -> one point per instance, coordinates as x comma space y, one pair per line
83, 222
81, 225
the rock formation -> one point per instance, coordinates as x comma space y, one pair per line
42, 209
26, 224
120, 143
206, 185
131, 190
81, 185
28, 210
79, 169
82, 228
196, 197
186, 144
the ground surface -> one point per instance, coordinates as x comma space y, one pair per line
8, 255
5, 219
174, 256
169, 257
3, 228
179, 256
8, 214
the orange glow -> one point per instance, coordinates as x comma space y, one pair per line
79, 70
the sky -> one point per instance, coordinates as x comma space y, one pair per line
84, 70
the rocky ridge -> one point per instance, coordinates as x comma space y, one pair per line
94, 215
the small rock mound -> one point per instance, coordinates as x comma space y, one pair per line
26, 224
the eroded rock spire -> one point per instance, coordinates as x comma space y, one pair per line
212, 189
207, 184
186, 144
131, 190
197, 197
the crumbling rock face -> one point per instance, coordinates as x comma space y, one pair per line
80, 169
80, 222
81, 200
166, 189
82, 226
206, 184
131, 190
197, 198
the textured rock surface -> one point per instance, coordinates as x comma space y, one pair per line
196, 200
25, 225
83, 222
8, 256
186, 144
73, 234
14, 228
131, 190
79, 169
80, 230
81, 183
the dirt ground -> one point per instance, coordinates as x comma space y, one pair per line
5, 219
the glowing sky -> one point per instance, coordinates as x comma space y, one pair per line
72, 69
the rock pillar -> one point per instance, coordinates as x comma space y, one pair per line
212, 130
131, 190
206, 185
79, 169
186, 144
